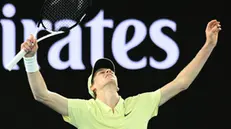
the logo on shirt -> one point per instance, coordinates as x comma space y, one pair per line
127, 113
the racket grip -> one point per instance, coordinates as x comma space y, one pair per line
16, 59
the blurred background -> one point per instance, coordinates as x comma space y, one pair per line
149, 41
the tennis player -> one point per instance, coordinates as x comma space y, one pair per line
107, 109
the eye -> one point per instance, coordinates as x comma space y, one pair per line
102, 72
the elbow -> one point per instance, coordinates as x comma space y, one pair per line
40, 98
183, 84
37, 98
184, 88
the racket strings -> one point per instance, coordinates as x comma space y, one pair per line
67, 12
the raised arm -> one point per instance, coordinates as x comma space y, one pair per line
37, 83
190, 72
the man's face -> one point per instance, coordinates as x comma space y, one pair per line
104, 77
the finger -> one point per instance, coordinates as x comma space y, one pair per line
31, 37
30, 43
219, 28
218, 25
33, 40
22, 46
26, 47
215, 24
216, 29
211, 23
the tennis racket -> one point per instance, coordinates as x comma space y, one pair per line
68, 14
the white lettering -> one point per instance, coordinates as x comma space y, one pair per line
74, 40
164, 42
8, 10
8, 36
8, 42
120, 47
97, 35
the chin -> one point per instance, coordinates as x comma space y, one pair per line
112, 82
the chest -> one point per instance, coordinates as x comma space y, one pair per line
117, 120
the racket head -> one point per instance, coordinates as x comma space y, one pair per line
68, 14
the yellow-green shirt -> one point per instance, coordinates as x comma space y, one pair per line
131, 113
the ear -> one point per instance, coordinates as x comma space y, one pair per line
93, 88
118, 88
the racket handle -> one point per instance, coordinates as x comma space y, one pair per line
22, 53
16, 59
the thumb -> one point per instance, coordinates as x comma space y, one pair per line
31, 37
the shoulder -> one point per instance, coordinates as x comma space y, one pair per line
144, 95
143, 98
80, 103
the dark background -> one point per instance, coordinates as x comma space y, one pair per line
205, 105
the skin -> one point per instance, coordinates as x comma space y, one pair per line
105, 86
105, 81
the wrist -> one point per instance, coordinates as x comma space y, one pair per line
210, 43
31, 64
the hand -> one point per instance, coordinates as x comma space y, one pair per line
30, 46
212, 30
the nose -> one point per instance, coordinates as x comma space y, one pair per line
108, 71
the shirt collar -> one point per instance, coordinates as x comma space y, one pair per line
105, 108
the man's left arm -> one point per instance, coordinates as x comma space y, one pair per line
189, 73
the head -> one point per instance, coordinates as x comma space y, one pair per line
102, 76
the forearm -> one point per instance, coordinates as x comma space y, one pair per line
41, 94
37, 85
189, 73
36, 81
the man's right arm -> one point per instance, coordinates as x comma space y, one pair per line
36, 81
43, 95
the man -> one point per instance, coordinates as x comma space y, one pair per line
107, 109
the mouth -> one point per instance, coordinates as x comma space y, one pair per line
109, 75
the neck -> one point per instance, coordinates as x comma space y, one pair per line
109, 96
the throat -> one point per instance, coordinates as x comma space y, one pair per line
109, 98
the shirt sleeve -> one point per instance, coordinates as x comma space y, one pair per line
148, 103
76, 109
